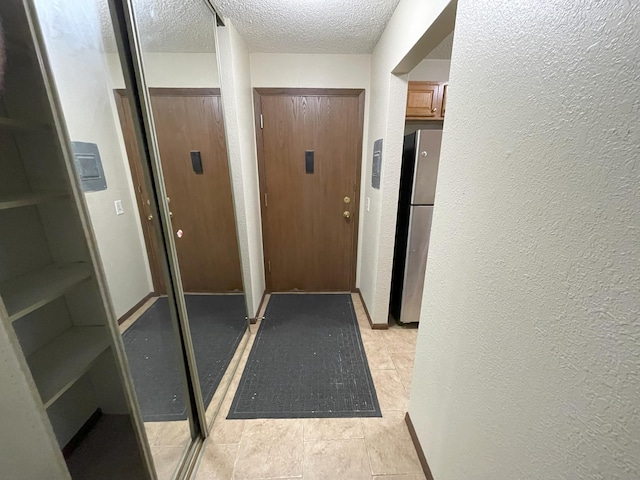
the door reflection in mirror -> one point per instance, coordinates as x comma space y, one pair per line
183, 89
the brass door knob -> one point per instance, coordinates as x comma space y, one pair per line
346, 214
170, 214
150, 217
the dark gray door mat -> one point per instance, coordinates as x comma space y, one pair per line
307, 361
217, 323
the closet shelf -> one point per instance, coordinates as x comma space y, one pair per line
64, 360
13, 125
26, 293
26, 199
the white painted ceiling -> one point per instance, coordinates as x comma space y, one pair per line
308, 26
442, 51
175, 26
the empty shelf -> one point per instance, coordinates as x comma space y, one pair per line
21, 125
26, 293
61, 362
26, 199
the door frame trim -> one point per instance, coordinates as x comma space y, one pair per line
184, 92
359, 93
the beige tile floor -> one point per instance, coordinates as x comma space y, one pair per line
340, 449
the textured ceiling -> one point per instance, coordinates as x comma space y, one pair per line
442, 51
167, 26
270, 26
308, 26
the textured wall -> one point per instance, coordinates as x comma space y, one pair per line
237, 100
529, 343
443, 50
386, 120
431, 70
73, 40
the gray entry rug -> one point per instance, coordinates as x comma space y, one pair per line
307, 361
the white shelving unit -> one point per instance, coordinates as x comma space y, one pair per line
18, 126
26, 293
53, 313
63, 361
27, 199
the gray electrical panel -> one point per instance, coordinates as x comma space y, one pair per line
89, 166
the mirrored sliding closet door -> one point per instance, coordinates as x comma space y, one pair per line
180, 69
68, 261
140, 102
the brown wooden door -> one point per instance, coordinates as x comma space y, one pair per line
202, 204
188, 120
309, 242
423, 100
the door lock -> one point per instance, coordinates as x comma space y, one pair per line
347, 200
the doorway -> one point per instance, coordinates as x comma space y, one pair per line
191, 142
309, 159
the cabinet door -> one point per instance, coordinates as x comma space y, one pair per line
443, 108
423, 100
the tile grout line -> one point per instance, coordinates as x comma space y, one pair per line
366, 446
303, 450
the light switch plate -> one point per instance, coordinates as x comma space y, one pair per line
119, 209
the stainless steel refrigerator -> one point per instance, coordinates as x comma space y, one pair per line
420, 158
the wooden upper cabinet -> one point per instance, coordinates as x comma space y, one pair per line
426, 100
423, 100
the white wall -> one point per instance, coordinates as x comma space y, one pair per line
310, 71
237, 101
431, 70
171, 70
529, 344
73, 38
386, 120
272, 70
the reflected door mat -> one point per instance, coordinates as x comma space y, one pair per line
217, 323
307, 361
